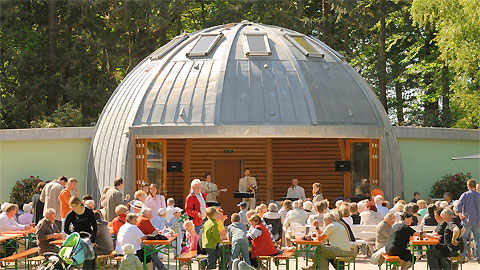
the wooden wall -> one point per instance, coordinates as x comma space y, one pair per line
309, 160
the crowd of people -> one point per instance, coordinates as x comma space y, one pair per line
57, 210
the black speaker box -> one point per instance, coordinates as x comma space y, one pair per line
343, 166
174, 166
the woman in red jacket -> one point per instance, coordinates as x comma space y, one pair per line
196, 205
262, 243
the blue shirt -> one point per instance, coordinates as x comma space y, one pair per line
469, 206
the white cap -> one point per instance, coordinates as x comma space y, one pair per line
162, 211
177, 210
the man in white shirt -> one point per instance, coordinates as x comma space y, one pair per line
382, 210
7, 220
337, 235
296, 191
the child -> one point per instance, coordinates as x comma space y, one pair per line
170, 208
237, 233
243, 212
177, 225
192, 236
211, 238
220, 218
159, 221
130, 261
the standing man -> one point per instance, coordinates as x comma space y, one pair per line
248, 184
65, 196
469, 210
114, 197
49, 197
211, 190
196, 205
296, 191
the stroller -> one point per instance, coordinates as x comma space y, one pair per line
74, 251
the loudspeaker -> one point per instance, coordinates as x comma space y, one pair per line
343, 166
174, 166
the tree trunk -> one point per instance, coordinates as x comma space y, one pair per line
445, 96
300, 7
382, 59
327, 25
431, 105
399, 96
52, 92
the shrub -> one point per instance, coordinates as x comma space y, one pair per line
455, 184
24, 190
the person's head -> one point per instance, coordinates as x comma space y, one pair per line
307, 205
409, 208
287, 205
188, 225
250, 213
407, 218
371, 207
11, 210
146, 212
196, 186
87, 197
90, 204
416, 195
40, 186
171, 202
177, 212
121, 210
378, 199
415, 208
431, 210
438, 214
471, 184
321, 206
297, 204
105, 189
272, 207
246, 172
140, 195
72, 184
153, 190
254, 220
128, 249
146, 188
294, 182
132, 218
329, 218
316, 188
447, 214
421, 204
118, 182
353, 208
386, 204
162, 212
208, 177
344, 210
76, 204
399, 207
27, 208
211, 212
478, 188
396, 199
447, 196
364, 181
235, 217
98, 215
338, 203
242, 205
50, 215
263, 208
362, 205
62, 180
389, 218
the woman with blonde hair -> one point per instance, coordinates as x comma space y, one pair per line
286, 206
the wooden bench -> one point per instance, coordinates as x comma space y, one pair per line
391, 262
199, 258
344, 262
265, 261
118, 260
101, 259
458, 260
186, 259
285, 256
35, 261
17, 256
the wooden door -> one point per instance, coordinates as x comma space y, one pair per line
226, 174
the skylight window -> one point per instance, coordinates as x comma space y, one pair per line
304, 45
256, 44
158, 54
205, 44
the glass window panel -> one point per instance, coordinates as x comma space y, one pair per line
306, 45
204, 45
360, 158
158, 54
302, 43
256, 43
155, 162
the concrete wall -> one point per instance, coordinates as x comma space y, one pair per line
49, 153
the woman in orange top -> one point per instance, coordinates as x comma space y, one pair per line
121, 211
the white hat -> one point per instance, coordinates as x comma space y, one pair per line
162, 211
138, 205
177, 210
27, 208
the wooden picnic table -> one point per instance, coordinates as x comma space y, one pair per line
308, 244
7, 237
22, 232
417, 244
27, 235
158, 246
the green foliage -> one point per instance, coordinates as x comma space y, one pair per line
64, 116
453, 183
24, 190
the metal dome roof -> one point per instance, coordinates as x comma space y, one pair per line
223, 81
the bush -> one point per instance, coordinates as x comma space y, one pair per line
455, 184
24, 190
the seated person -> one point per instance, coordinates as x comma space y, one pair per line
104, 243
262, 242
398, 240
144, 223
383, 230
429, 219
47, 231
27, 217
7, 219
192, 236
159, 220
121, 211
